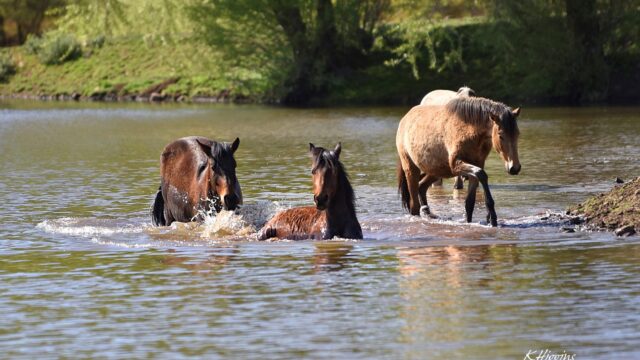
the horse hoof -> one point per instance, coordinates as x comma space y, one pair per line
426, 212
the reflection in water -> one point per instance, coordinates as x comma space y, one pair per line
331, 255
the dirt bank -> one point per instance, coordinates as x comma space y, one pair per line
617, 210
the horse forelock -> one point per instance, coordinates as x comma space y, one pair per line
477, 110
327, 158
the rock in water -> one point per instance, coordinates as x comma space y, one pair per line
617, 210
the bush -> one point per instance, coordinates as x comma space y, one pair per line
33, 44
7, 67
58, 48
95, 42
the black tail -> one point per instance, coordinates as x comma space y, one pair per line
403, 187
157, 210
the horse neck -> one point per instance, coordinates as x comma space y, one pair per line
341, 210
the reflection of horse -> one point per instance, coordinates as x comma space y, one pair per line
195, 170
442, 97
334, 213
451, 140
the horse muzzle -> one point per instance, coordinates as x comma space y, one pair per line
230, 201
514, 169
321, 201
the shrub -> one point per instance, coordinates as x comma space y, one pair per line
33, 44
7, 67
58, 48
95, 42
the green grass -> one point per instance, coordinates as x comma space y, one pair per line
129, 67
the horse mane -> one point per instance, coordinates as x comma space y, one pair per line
477, 111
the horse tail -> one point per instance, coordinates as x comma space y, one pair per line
157, 210
403, 187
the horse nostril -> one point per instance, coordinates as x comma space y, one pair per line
514, 170
230, 202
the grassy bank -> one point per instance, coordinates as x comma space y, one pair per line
400, 68
128, 68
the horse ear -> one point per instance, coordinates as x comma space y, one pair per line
516, 112
234, 145
338, 149
206, 147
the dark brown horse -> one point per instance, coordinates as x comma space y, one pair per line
452, 140
334, 213
195, 171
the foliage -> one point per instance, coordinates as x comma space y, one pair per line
166, 20
28, 15
300, 45
56, 48
7, 67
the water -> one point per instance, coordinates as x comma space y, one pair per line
83, 274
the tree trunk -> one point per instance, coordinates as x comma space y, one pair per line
590, 74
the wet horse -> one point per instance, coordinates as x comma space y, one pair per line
194, 172
451, 140
334, 213
442, 97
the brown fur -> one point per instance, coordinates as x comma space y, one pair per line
452, 140
334, 214
297, 224
189, 181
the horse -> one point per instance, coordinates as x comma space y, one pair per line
451, 140
334, 213
441, 97
194, 172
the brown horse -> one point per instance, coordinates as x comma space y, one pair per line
452, 140
195, 171
442, 97
334, 213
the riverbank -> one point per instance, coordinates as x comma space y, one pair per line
131, 70
617, 210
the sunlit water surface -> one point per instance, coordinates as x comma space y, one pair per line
83, 273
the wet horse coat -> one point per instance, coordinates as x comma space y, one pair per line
334, 213
452, 140
195, 171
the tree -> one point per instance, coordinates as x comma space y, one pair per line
28, 15
302, 44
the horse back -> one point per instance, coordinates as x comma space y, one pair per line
182, 189
438, 97
295, 224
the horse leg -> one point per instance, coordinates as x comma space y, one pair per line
423, 186
438, 182
470, 201
412, 176
462, 168
459, 184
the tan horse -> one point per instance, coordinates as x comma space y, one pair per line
334, 213
452, 140
442, 97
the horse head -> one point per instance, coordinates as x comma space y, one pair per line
223, 182
324, 171
505, 139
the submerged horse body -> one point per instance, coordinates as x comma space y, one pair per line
334, 212
452, 140
194, 172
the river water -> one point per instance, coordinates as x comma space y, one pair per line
83, 273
